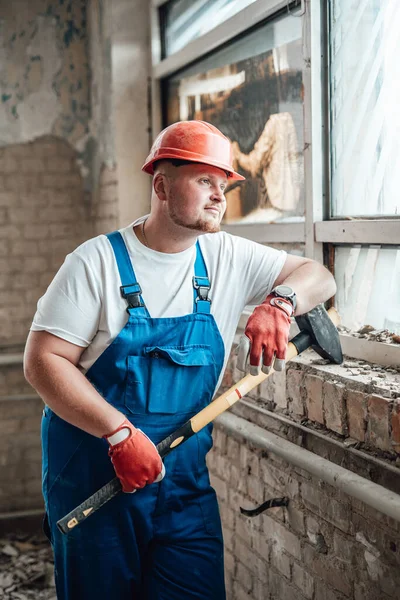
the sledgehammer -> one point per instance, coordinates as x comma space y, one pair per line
317, 330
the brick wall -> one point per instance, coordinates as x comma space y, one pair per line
325, 545
20, 452
44, 214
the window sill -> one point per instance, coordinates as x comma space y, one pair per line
371, 351
362, 349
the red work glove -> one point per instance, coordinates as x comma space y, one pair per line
266, 335
134, 457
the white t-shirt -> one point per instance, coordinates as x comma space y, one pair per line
83, 304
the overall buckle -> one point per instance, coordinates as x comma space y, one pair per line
132, 294
202, 285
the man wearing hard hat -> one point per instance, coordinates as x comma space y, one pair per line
128, 343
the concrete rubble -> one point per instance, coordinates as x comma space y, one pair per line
26, 568
372, 334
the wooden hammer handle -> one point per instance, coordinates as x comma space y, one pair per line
195, 424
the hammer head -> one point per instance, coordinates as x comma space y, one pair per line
323, 333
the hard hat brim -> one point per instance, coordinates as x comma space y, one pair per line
172, 153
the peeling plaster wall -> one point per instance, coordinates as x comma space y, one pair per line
58, 182
44, 74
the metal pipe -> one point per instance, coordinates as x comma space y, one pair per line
380, 498
322, 436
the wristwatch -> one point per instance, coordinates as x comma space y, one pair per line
286, 292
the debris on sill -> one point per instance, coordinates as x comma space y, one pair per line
374, 335
357, 374
26, 568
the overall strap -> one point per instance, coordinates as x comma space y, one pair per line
201, 284
130, 288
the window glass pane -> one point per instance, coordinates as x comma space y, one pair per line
253, 91
186, 20
365, 119
368, 280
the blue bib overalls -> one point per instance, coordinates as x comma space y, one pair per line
165, 541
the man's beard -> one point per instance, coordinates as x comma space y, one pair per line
201, 225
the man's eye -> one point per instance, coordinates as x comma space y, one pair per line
205, 180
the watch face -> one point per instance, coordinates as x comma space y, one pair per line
284, 290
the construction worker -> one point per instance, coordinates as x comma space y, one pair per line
130, 341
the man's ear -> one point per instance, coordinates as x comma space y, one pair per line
159, 186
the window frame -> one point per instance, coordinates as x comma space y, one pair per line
318, 231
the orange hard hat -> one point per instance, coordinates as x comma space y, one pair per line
194, 141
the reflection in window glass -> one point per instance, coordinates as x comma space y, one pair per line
186, 20
253, 91
365, 119
368, 281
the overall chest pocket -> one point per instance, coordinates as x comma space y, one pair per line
170, 379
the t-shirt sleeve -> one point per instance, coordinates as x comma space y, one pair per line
71, 307
260, 265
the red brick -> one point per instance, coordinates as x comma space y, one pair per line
356, 414
245, 555
281, 561
378, 422
283, 537
229, 561
314, 400
4, 215
260, 543
240, 593
320, 501
396, 427
8, 199
334, 406
62, 181
279, 480
245, 577
32, 165
294, 385
59, 164
36, 232
109, 194
332, 571
220, 487
303, 580
295, 518
220, 439
27, 183
233, 451
8, 164
108, 176
249, 461
229, 539
255, 487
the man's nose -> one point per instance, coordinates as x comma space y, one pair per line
218, 195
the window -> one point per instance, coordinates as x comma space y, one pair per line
364, 165
252, 91
365, 120
368, 279
323, 79
186, 20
